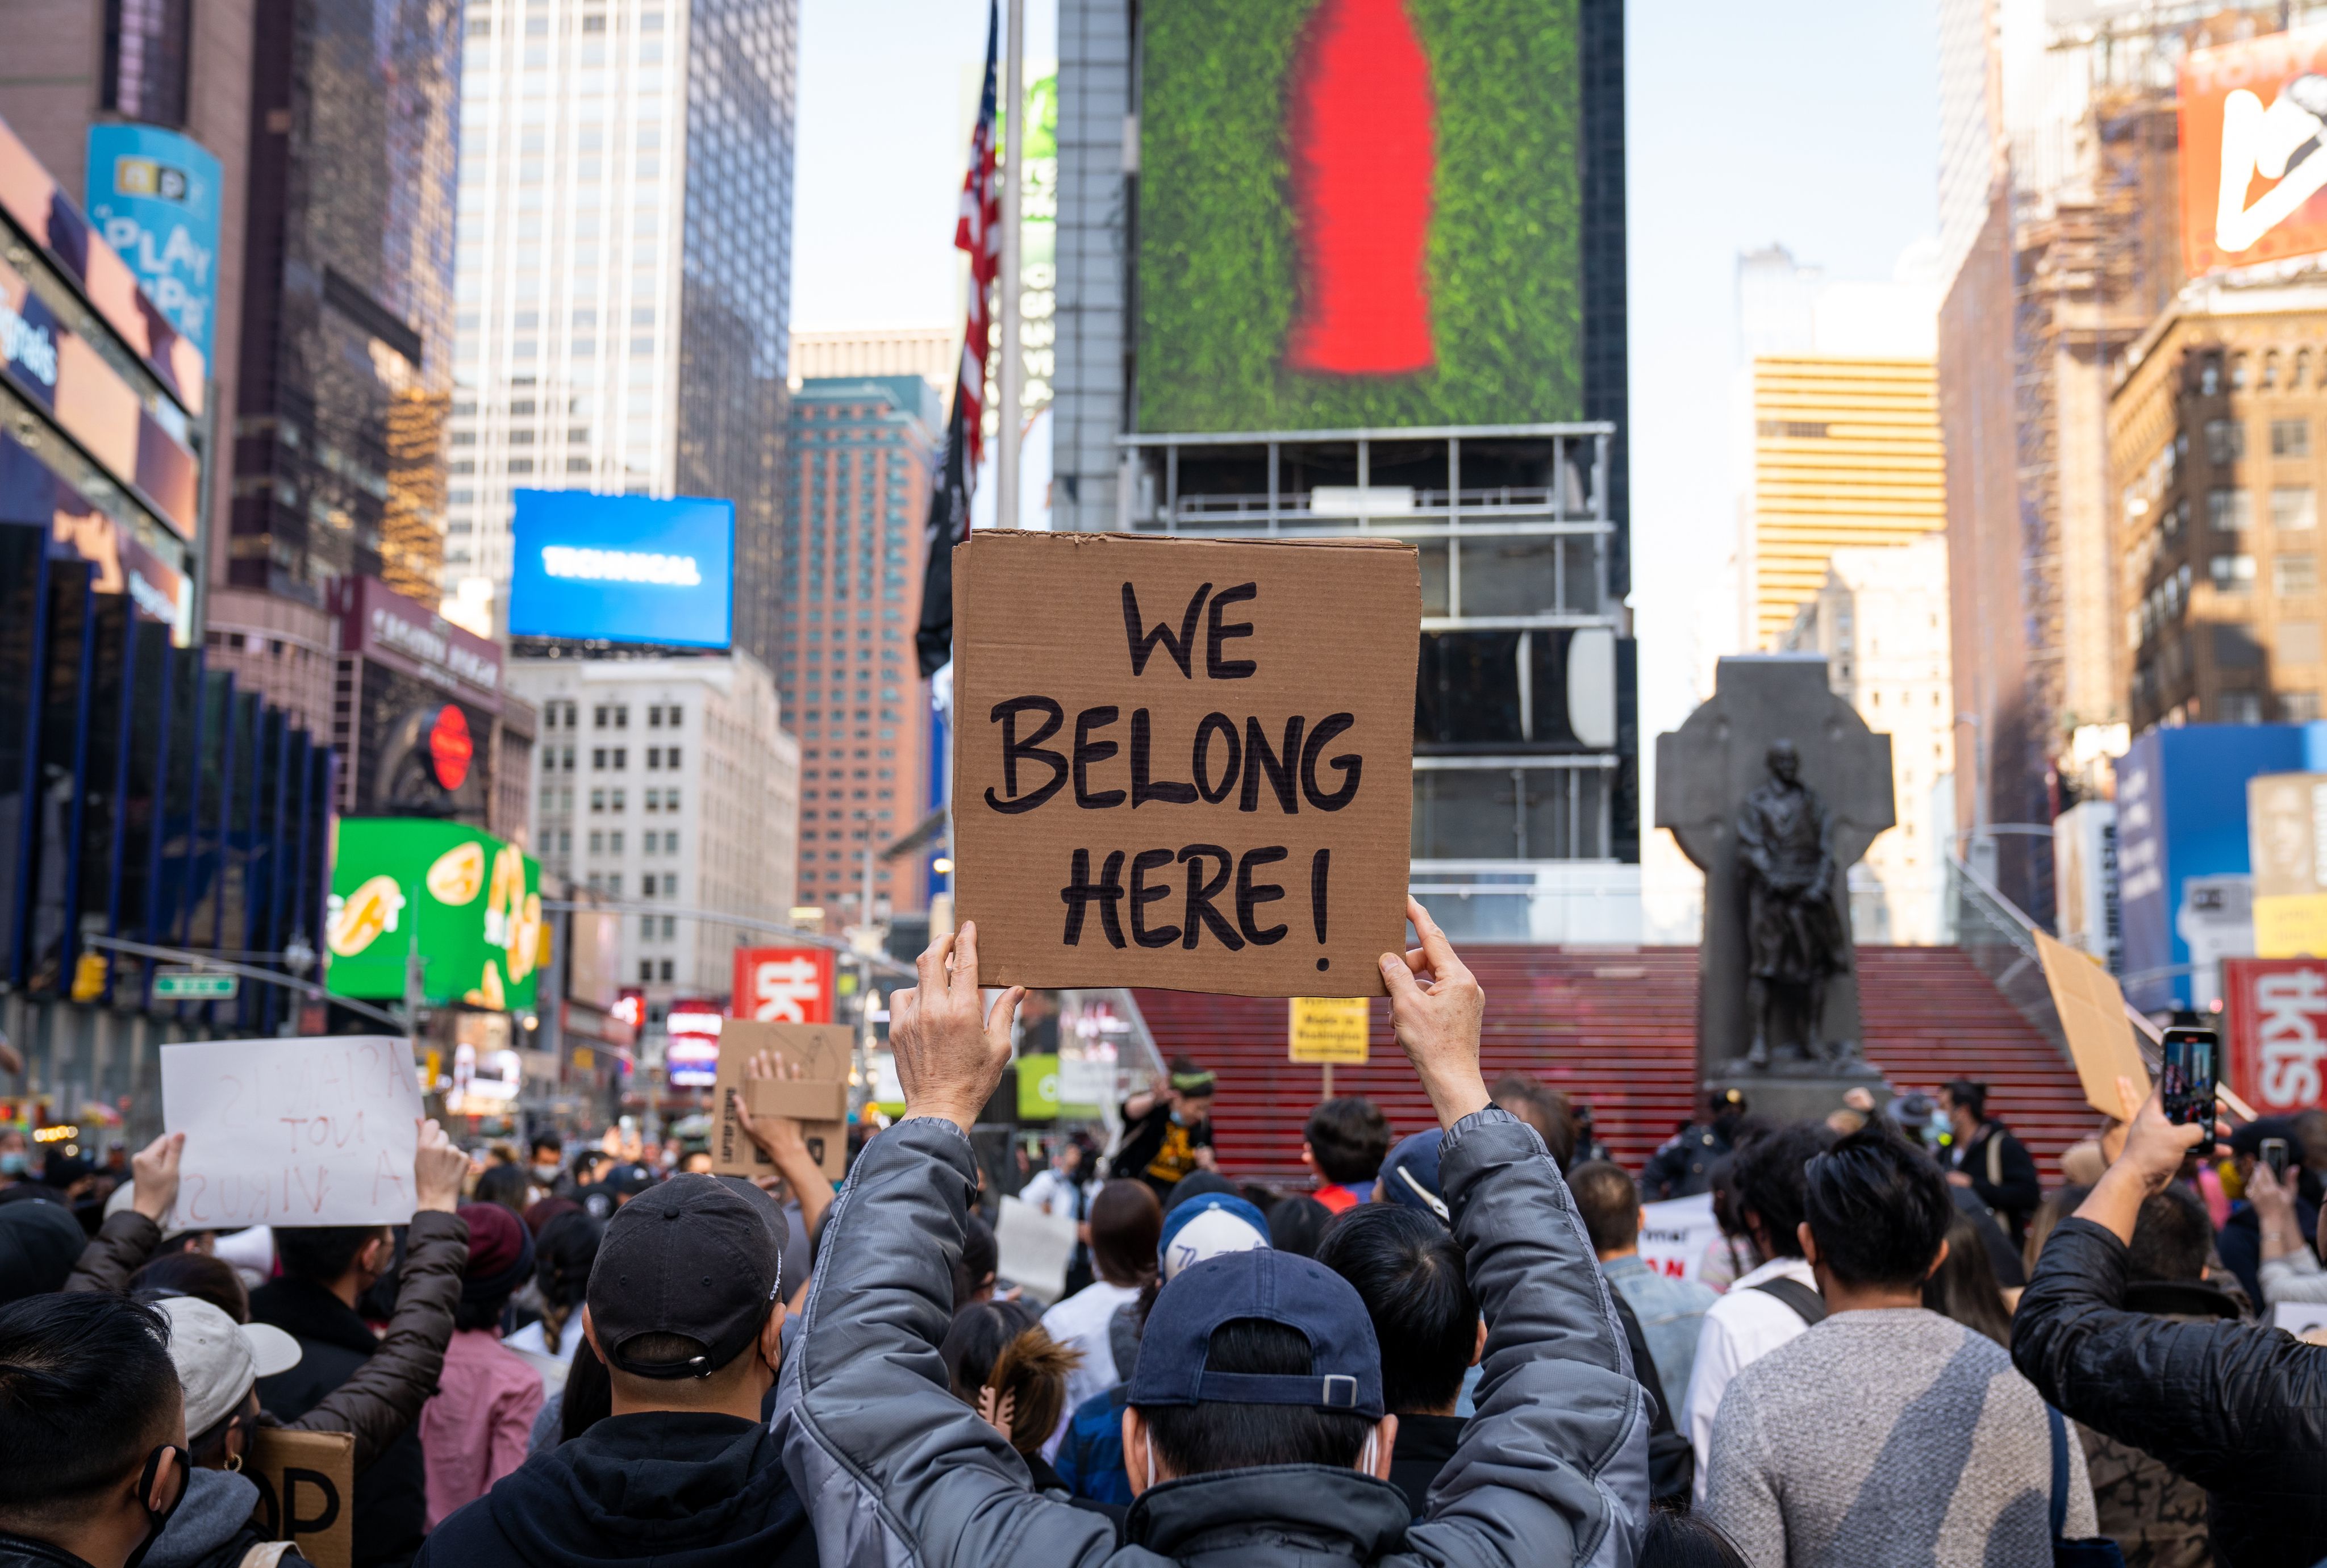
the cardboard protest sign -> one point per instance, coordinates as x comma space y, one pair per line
818, 1099
1183, 762
2092, 1015
306, 1491
293, 1132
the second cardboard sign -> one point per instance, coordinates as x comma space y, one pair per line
818, 1099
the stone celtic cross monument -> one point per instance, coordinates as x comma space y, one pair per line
1775, 788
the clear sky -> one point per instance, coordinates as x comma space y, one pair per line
1814, 124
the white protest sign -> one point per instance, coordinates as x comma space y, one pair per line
293, 1132
2300, 1318
1035, 1248
1674, 1235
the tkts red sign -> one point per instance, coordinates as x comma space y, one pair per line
783, 984
2278, 1031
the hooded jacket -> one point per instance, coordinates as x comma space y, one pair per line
1552, 1470
212, 1527
2238, 1408
680, 1489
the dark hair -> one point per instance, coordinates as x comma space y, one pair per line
1542, 1107
323, 1254
1878, 1207
1349, 1137
561, 1271
1216, 1435
975, 1339
1676, 1540
981, 1257
1295, 1225
1766, 1182
1608, 1203
589, 1397
550, 1141
1125, 1223
1408, 1270
2172, 1238
1971, 1096
507, 1185
87, 1388
1964, 1287
196, 1275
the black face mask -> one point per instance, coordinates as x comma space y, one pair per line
158, 1519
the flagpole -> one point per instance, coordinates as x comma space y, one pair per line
1010, 377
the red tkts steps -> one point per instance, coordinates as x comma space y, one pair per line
1363, 153
1616, 1030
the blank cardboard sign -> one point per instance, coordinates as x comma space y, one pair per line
2092, 1015
1183, 762
818, 1099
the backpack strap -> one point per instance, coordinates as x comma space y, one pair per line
1994, 1156
2059, 1470
1807, 1304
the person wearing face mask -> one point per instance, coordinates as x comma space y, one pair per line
546, 1167
220, 1363
92, 1432
15, 1159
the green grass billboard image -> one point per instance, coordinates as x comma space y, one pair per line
1358, 213
473, 903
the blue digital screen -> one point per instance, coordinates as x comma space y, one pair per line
622, 568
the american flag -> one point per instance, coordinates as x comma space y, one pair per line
979, 232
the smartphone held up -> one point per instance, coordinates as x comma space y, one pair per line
2186, 1080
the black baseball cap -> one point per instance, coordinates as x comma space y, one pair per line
1277, 1287
695, 1256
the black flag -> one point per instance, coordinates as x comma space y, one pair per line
948, 527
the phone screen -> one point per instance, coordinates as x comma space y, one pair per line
2185, 1079
2274, 1154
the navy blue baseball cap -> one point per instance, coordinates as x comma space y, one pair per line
1276, 1287
1410, 1174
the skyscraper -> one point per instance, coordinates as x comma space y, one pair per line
853, 550
624, 270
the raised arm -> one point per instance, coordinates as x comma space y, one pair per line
1557, 1455
2222, 1403
892, 1466
124, 1243
385, 1396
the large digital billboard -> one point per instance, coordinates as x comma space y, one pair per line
470, 904
1358, 213
2254, 151
622, 568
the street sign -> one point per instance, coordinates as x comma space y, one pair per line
1328, 1029
191, 986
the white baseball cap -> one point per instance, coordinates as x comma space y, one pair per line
218, 1359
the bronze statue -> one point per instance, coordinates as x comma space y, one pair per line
1795, 939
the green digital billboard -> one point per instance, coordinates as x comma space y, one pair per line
467, 902
1358, 213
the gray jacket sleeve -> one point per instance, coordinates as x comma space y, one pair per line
892, 1468
1554, 1469
384, 1395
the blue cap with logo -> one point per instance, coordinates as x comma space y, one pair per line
1410, 1175
1276, 1287
1206, 1226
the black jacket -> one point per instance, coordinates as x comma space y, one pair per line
392, 1501
2018, 1191
2238, 1408
1683, 1167
681, 1491
20, 1551
1425, 1445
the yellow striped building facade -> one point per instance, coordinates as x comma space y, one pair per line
1845, 452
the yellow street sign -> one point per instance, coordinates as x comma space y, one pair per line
1328, 1029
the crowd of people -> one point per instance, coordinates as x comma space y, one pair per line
1448, 1348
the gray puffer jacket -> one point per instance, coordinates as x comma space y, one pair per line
896, 1472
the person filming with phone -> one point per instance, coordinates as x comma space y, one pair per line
2237, 1408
